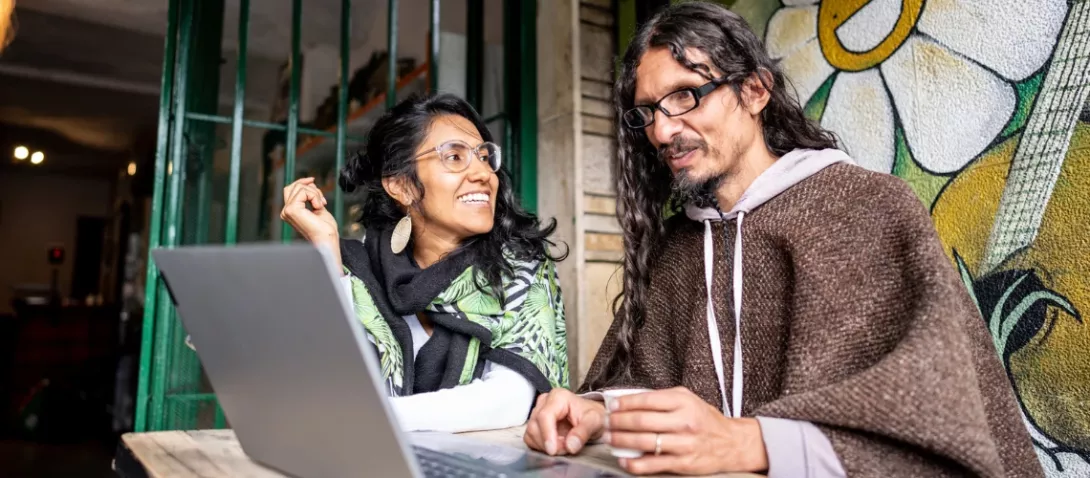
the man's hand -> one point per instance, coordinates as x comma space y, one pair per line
695, 437
562, 422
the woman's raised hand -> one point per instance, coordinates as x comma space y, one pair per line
317, 224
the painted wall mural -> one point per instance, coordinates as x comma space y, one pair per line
981, 106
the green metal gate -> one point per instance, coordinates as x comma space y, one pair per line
172, 392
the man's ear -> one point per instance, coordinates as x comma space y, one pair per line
757, 90
399, 190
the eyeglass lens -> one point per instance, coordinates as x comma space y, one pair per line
456, 156
676, 103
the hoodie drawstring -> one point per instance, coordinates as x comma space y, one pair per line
733, 409
713, 328
737, 382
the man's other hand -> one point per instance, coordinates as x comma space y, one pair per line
562, 422
693, 437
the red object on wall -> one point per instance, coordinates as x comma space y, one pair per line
56, 255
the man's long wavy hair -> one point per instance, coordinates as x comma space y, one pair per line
643, 180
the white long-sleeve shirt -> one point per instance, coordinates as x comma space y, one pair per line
501, 398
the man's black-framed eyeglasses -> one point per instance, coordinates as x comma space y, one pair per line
676, 103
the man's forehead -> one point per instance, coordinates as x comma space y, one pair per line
659, 73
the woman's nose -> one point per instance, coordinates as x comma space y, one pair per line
480, 170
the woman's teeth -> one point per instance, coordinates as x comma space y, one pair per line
475, 198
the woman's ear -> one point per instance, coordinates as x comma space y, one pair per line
397, 189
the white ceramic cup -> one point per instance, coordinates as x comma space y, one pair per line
610, 396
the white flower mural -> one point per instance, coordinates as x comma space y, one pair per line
941, 70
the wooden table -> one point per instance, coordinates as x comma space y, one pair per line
217, 454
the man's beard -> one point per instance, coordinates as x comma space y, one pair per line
699, 191
685, 186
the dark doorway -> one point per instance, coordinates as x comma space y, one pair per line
87, 263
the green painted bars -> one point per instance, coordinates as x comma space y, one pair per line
171, 392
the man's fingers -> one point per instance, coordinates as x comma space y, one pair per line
537, 406
554, 410
563, 427
563, 432
672, 443
532, 434
651, 464
588, 426
658, 400
645, 421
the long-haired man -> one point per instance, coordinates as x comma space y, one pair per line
798, 316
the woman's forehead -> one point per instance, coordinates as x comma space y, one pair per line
450, 127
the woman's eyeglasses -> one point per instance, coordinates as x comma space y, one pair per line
456, 155
677, 103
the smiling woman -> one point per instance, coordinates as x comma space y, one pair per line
453, 281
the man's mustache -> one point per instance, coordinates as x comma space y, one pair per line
679, 145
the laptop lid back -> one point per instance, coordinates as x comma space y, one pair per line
289, 362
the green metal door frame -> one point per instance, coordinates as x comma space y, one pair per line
520, 61
169, 374
152, 285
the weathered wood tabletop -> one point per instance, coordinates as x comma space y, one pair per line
217, 454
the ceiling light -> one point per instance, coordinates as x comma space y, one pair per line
132, 168
37, 157
21, 152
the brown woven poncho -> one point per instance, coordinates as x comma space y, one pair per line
853, 319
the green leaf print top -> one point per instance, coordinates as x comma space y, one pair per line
524, 330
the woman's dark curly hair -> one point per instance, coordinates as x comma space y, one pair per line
391, 145
644, 181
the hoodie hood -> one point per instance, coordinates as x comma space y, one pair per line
791, 169
787, 171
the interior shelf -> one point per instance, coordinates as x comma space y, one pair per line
317, 153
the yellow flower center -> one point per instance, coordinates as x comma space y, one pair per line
835, 13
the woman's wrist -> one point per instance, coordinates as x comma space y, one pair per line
334, 247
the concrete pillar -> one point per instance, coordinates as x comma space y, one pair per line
576, 51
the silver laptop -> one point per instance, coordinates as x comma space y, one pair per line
297, 378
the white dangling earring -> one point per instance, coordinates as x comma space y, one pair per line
402, 232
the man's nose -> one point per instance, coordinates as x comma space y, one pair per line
664, 128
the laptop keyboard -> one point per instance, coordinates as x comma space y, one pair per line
435, 464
